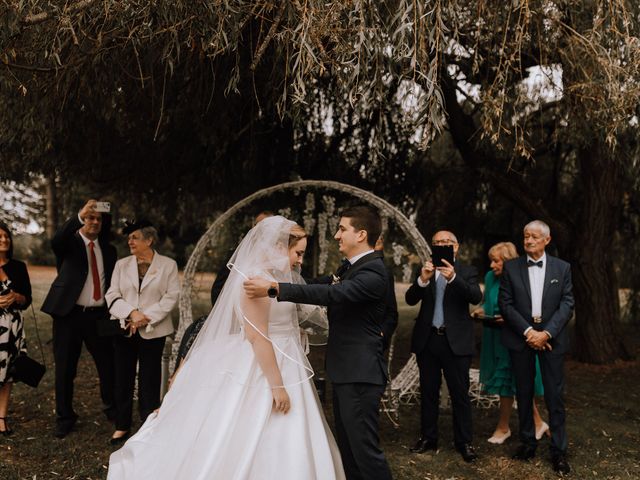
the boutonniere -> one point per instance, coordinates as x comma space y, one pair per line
335, 279
553, 280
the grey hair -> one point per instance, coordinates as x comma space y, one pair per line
451, 234
538, 225
150, 233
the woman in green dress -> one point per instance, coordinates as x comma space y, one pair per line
496, 375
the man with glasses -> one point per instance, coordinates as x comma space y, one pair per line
443, 342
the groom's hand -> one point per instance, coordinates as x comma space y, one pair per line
256, 287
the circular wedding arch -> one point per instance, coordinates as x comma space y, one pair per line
404, 387
385, 208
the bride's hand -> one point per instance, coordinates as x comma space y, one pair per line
281, 401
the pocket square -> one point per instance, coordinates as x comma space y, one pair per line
553, 280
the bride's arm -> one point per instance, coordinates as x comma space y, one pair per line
257, 311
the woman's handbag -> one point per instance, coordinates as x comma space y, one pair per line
27, 370
24, 368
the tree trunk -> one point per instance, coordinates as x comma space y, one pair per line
595, 285
52, 206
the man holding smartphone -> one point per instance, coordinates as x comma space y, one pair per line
84, 261
443, 341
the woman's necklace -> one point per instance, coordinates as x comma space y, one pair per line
143, 265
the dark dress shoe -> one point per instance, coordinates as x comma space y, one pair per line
524, 452
65, 426
468, 453
119, 440
423, 445
560, 464
63, 429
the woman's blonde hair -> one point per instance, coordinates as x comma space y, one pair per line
297, 233
505, 250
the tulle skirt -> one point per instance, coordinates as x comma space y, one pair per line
217, 422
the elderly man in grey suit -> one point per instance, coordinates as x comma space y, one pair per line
536, 301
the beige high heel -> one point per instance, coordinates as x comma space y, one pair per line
499, 438
542, 430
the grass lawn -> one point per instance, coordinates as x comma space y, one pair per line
603, 420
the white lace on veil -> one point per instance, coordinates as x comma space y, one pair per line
262, 252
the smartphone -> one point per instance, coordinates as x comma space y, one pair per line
440, 253
103, 207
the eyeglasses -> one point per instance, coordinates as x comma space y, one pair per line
445, 241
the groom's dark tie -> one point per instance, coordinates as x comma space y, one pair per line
342, 269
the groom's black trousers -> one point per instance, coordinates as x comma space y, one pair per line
355, 407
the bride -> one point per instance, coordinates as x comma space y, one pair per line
242, 405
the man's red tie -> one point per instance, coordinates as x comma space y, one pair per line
97, 293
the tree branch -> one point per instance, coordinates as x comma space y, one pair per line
272, 31
495, 169
44, 16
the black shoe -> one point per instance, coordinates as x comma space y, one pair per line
560, 464
468, 453
119, 440
65, 427
7, 431
62, 430
524, 452
423, 445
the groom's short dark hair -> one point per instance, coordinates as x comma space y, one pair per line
364, 217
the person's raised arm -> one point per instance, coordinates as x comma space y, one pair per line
256, 326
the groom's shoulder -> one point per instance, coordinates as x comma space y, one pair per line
374, 266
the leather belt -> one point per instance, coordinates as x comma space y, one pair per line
536, 320
82, 308
438, 330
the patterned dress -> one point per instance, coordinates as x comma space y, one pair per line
12, 341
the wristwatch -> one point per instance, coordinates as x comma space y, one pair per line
273, 290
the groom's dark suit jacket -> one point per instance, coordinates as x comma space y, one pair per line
356, 308
73, 265
515, 303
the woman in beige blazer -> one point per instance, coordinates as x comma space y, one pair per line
144, 289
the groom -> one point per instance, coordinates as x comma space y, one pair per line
355, 366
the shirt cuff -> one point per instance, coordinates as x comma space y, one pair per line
452, 278
550, 336
80, 219
527, 331
421, 283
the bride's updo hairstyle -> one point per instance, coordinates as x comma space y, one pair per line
297, 233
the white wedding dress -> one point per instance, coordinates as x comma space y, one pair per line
217, 421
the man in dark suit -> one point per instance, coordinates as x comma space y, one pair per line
390, 320
536, 302
354, 363
84, 261
443, 342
